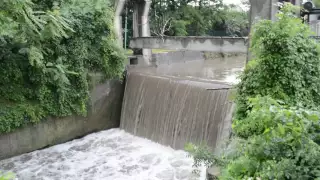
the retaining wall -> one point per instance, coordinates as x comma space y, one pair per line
104, 113
176, 57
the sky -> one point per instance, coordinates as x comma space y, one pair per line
232, 1
236, 2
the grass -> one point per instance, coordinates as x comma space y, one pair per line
130, 52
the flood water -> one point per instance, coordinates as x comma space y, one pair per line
107, 155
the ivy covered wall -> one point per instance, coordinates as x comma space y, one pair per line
47, 49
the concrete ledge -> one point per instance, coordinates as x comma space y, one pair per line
176, 57
213, 173
192, 43
138, 60
104, 113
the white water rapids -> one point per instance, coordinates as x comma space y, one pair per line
106, 155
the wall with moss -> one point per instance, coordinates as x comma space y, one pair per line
103, 113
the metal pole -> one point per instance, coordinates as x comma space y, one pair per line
126, 29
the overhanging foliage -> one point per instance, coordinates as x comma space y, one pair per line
47, 50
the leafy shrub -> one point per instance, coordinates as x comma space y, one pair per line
274, 141
286, 64
283, 142
276, 127
7, 176
46, 53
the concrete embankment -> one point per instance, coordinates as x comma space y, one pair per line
104, 113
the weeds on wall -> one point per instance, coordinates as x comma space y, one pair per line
47, 49
276, 126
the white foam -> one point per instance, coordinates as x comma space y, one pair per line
108, 155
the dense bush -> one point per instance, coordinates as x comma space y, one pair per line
276, 127
281, 143
47, 50
286, 64
273, 142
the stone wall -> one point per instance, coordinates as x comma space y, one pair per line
104, 113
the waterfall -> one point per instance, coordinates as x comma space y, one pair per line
174, 111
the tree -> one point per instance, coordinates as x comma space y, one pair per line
197, 18
317, 3
161, 19
236, 21
47, 50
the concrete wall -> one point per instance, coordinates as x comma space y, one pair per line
104, 113
176, 57
262, 9
196, 43
265, 9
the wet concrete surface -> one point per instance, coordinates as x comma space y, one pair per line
107, 155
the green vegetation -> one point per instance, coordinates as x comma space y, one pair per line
317, 3
194, 18
47, 50
7, 176
276, 126
197, 18
286, 64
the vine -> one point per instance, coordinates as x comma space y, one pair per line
47, 50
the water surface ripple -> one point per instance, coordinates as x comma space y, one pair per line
106, 155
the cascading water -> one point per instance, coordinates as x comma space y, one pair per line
174, 111
181, 103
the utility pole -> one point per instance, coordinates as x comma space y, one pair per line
126, 29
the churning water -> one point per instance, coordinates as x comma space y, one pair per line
107, 155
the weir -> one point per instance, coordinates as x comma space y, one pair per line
173, 111
181, 105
